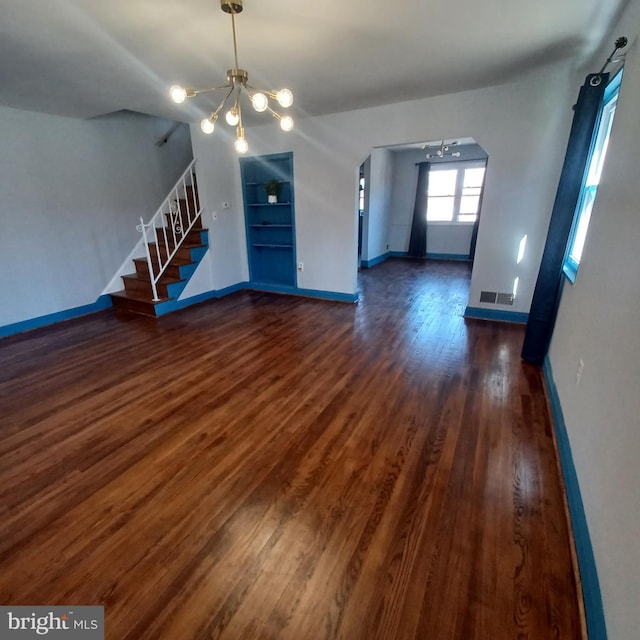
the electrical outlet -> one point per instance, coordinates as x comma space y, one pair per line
300, 266
579, 370
214, 215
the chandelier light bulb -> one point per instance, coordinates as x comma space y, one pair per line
286, 123
207, 126
178, 94
259, 102
232, 117
284, 98
241, 146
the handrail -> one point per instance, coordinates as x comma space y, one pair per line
181, 211
165, 138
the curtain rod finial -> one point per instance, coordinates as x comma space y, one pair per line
621, 42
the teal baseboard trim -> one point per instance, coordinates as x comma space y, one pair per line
271, 288
176, 305
459, 257
593, 607
103, 302
336, 296
234, 288
496, 314
305, 293
367, 264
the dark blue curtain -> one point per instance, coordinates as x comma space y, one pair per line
418, 239
474, 237
546, 296
476, 224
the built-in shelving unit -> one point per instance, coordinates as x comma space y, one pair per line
270, 227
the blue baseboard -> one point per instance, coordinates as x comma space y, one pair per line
327, 295
103, 302
306, 293
594, 610
432, 256
367, 264
175, 305
458, 257
496, 314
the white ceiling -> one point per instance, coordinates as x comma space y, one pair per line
86, 58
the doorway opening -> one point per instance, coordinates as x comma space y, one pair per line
450, 201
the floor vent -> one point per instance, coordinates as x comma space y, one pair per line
492, 297
505, 298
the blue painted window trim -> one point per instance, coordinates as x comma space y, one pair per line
570, 266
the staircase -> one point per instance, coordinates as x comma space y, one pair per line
175, 243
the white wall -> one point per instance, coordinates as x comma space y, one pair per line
520, 125
379, 209
218, 168
72, 191
449, 239
598, 322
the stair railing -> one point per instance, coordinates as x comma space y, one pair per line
181, 210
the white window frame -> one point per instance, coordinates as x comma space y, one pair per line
461, 167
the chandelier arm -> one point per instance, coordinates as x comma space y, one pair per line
274, 113
270, 94
217, 111
197, 91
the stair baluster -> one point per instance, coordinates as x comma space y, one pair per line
178, 225
175, 241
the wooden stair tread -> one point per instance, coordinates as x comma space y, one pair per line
175, 261
164, 279
184, 245
194, 230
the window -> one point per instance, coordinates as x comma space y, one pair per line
593, 173
454, 194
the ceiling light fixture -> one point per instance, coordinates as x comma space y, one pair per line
442, 150
237, 84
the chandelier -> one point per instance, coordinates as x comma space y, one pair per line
442, 150
237, 85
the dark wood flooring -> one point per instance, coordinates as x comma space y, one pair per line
265, 466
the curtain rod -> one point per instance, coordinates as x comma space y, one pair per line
620, 43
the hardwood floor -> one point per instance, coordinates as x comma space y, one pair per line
272, 467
